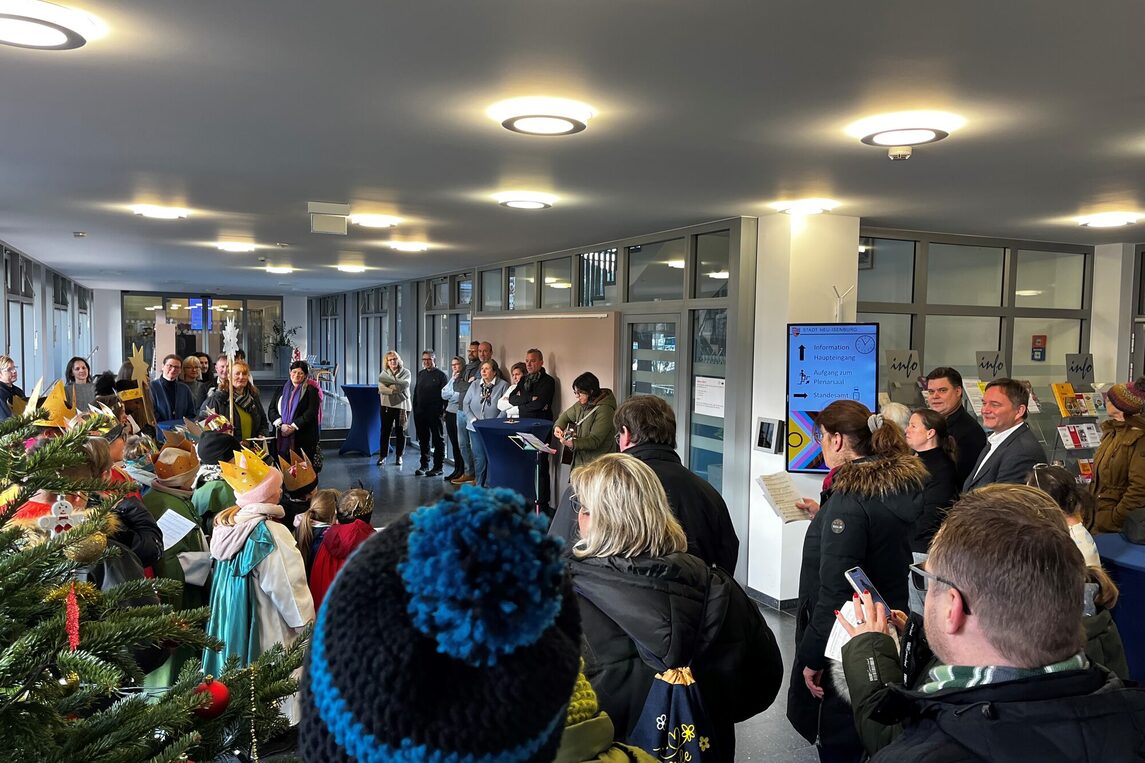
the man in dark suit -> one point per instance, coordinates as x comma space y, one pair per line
944, 395
171, 397
1012, 448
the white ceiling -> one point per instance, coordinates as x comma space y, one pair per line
244, 111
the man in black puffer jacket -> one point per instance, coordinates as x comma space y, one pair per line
646, 426
1004, 595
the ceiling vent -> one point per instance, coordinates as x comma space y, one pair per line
328, 218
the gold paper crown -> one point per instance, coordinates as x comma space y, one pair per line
245, 472
59, 412
298, 473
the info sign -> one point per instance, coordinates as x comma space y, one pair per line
826, 362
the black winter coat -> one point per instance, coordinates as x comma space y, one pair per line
534, 396
971, 438
138, 531
866, 520
699, 507
305, 417
681, 612
1077, 716
941, 490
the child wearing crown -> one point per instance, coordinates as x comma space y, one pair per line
259, 595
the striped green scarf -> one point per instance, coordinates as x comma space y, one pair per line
964, 677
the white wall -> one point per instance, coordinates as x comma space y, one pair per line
1113, 311
107, 330
800, 259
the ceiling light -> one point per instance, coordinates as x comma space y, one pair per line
719, 275
905, 128
677, 264
1028, 292
863, 248
157, 212
46, 26
236, 247
804, 206
174, 307
352, 268
1108, 219
542, 116
375, 221
560, 285
525, 199
408, 246
279, 269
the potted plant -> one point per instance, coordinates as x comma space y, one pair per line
278, 344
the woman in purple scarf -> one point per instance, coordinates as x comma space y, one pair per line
294, 411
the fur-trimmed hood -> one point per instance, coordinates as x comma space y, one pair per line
869, 477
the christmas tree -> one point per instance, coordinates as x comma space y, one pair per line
71, 686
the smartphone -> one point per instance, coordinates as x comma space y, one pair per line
860, 582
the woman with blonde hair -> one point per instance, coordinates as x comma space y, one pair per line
647, 605
249, 417
393, 388
312, 524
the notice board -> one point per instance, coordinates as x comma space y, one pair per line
826, 362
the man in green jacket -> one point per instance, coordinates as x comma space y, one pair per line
1010, 681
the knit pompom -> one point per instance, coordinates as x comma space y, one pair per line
483, 577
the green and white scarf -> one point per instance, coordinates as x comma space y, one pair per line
964, 677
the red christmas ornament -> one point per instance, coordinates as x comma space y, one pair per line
220, 698
72, 619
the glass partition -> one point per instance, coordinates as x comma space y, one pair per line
964, 275
523, 287
655, 271
886, 270
713, 265
1050, 279
491, 290
556, 283
653, 359
952, 340
598, 278
706, 433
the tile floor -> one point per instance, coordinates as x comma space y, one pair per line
767, 737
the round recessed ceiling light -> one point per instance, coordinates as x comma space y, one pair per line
408, 246
158, 212
905, 128
352, 268
46, 26
525, 199
1108, 219
236, 247
542, 116
279, 269
804, 206
375, 221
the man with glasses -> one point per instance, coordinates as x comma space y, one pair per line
171, 397
1010, 680
428, 408
12, 398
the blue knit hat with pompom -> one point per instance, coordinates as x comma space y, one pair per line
451, 636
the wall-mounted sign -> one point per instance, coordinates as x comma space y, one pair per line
708, 396
826, 362
991, 365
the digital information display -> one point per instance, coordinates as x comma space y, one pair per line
826, 362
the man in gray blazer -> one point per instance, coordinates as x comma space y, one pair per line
1012, 449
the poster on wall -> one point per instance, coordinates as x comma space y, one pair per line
826, 362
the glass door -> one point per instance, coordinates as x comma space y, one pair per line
652, 360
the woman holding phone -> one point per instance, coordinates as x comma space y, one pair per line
865, 519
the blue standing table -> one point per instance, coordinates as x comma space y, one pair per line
1125, 562
509, 465
365, 433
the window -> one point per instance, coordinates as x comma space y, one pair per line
440, 294
556, 283
523, 287
491, 290
713, 257
598, 278
706, 434
886, 270
964, 275
952, 340
465, 289
1050, 279
654, 274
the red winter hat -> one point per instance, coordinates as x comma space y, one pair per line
1128, 398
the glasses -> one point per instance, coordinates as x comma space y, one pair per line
577, 507
818, 434
920, 579
616, 437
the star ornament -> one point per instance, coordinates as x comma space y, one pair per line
231, 338
139, 366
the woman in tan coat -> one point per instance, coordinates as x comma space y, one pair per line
1119, 464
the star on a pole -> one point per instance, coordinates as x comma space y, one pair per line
230, 338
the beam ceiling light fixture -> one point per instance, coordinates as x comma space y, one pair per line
46, 26
900, 130
804, 206
408, 246
279, 269
159, 212
375, 221
538, 115
352, 268
236, 247
1109, 219
525, 199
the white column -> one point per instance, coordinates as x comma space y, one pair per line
800, 259
1113, 310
